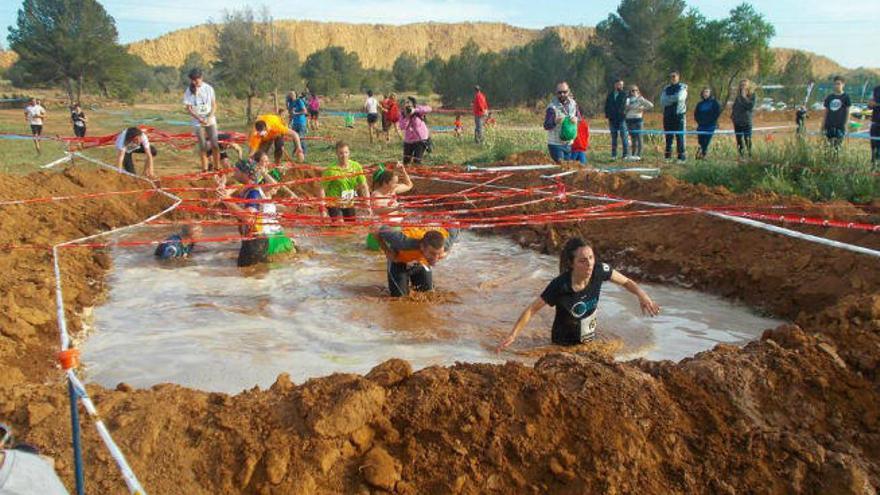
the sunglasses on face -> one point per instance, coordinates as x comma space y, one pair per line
562, 92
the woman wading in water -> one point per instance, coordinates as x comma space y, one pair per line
575, 295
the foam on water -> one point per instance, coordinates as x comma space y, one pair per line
207, 324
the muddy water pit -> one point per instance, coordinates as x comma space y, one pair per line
207, 324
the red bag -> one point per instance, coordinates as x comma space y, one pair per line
582, 141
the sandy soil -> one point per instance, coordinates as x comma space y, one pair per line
796, 412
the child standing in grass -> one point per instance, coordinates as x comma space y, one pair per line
458, 126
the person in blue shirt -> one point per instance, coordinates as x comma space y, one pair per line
296, 108
706, 114
179, 245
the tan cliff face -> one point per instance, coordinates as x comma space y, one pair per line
377, 45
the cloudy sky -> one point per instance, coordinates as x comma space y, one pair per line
845, 31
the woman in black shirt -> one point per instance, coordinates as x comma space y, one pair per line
575, 295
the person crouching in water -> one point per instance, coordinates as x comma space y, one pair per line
411, 252
575, 295
179, 245
262, 235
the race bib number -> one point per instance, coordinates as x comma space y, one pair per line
588, 328
347, 196
79, 123
203, 110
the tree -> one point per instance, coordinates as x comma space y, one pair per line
456, 79
250, 60
719, 52
406, 72
633, 40
66, 42
795, 76
333, 69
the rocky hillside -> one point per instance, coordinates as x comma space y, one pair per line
377, 45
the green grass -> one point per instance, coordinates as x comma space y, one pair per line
781, 164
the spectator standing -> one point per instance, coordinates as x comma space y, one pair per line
837, 106
201, 104
673, 99
875, 127
742, 113
706, 114
636, 104
560, 122
615, 112
481, 110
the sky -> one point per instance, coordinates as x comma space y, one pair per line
844, 31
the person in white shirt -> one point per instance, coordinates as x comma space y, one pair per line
34, 114
24, 471
201, 104
134, 140
371, 108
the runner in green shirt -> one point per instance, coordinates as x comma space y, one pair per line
340, 193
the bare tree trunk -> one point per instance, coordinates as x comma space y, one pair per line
248, 113
68, 85
79, 87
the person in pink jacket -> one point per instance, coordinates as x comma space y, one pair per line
416, 135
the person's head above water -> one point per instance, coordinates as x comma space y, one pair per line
384, 179
577, 256
433, 246
246, 169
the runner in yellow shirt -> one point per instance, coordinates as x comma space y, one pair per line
270, 129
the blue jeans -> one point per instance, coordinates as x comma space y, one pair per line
704, 137
634, 128
618, 128
478, 128
559, 152
578, 156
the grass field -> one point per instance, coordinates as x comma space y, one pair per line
780, 163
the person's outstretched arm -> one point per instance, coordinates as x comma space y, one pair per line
649, 307
523, 320
407, 183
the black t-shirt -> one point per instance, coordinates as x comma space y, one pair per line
574, 322
78, 118
838, 110
875, 116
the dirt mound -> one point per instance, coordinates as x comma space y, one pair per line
794, 412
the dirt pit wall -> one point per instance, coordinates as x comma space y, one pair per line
796, 412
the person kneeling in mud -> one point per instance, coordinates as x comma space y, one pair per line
263, 236
411, 252
179, 245
575, 295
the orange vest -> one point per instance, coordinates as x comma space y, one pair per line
412, 251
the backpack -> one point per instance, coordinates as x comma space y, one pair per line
568, 130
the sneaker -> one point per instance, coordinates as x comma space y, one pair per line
613, 158
637, 158
680, 161
628, 158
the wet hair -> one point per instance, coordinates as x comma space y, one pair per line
566, 256
382, 178
258, 155
131, 133
341, 144
433, 239
260, 126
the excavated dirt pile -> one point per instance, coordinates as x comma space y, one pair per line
796, 412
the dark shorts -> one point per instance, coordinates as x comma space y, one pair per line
372, 118
253, 251
37, 130
401, 278
79, 131
347, 214
835, 133
314, 113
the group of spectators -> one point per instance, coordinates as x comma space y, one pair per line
624, 110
